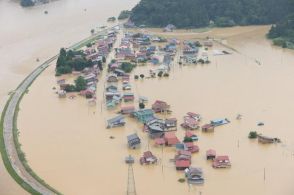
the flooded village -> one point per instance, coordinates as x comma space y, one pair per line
147, 110
160, 104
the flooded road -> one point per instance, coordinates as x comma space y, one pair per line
67, 144
28, 34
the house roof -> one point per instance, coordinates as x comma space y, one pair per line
145, 111
210, 152
132, 137
182, 163
159, 141
222, 158
189, 134
117, 118
169, 135
128, 108
148, 154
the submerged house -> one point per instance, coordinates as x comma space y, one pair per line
128, 97
170, 138
111, 88
148, 158
221, 162
183, 160
210, 154
267, 140
190, 134
219, 122
191, 147
171, 124
133, 141
207, 128
144, 115
160, 106
194, 175
127, 110
157, 127
195, 116
190, 123
112, 78
117, 121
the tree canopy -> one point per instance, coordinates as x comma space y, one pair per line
200, 13
71, 60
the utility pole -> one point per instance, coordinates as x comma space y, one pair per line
131, 181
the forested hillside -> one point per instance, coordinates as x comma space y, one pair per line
199, 13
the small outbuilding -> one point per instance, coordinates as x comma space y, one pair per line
133, 140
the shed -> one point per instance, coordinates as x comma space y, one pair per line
160, 106
170, 138
182, 164
208, 128
116, 121
133, 140
210, 154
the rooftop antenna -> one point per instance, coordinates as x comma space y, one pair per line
131, 181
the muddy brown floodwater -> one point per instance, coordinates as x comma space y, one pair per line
67, 144
28, 34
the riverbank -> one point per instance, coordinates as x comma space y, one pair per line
231, 84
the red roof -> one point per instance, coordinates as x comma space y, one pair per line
126, 108
171, 138
192, 114
222, 158
183, 152
148, 154
210, 152
189, 134
159, 141
190, 121
128, 97
189, 144
169, 135
182, 163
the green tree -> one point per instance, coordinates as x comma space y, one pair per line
141, 105
160, 73
252, 135
127, 67
80, 83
